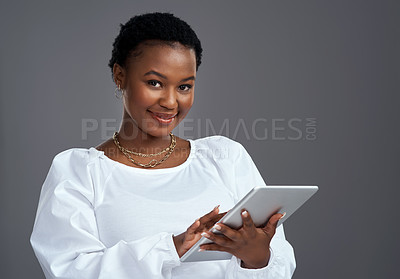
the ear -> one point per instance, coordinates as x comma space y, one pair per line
119, 74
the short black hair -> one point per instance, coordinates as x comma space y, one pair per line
153, 26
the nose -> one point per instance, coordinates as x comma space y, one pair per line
169, 99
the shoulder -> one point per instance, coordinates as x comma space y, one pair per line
73, 162
218, 141
72, 155
71, 171
220, 145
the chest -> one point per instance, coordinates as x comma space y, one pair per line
134, 208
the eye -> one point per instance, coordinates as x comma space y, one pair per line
154, 83
185, 87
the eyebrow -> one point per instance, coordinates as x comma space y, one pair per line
164, 77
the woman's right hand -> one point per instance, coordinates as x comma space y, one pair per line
184, 241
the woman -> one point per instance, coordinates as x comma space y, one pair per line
126, 208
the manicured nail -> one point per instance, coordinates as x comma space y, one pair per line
205, 234
284, 213
217, 227
245, 214
201, 249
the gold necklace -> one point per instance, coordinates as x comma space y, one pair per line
152, 162
143, 154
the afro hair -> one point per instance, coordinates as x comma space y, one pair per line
164, 27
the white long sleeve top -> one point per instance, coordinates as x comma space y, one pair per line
98, 218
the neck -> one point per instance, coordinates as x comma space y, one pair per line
132, 137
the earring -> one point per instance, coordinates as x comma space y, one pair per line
118, 89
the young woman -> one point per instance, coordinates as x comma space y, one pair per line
128, 207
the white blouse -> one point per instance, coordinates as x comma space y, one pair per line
98, 218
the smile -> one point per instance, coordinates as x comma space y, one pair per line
163, 118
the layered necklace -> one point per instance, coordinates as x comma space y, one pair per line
153, 162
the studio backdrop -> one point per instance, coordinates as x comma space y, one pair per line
310, 88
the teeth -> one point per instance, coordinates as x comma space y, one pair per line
163, 117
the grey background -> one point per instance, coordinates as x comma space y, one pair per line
335, 61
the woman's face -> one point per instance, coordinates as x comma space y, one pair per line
159, 86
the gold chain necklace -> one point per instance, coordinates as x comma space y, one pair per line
143, 154
152, 162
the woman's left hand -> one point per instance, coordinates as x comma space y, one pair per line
249, 243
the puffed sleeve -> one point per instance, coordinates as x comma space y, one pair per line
65, 238
282, 262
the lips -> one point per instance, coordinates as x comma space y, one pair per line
163, 118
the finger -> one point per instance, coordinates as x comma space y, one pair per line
214, 247
193, 227
220, 215
210, 215
215, 219
248, 224
208, 224
218, 239
230, 233
207, 220
270, 228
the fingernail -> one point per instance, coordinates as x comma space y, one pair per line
205, 234
201, 249
284, 213
245, 214
216, 207
217, 227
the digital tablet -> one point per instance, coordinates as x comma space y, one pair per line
261, 202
